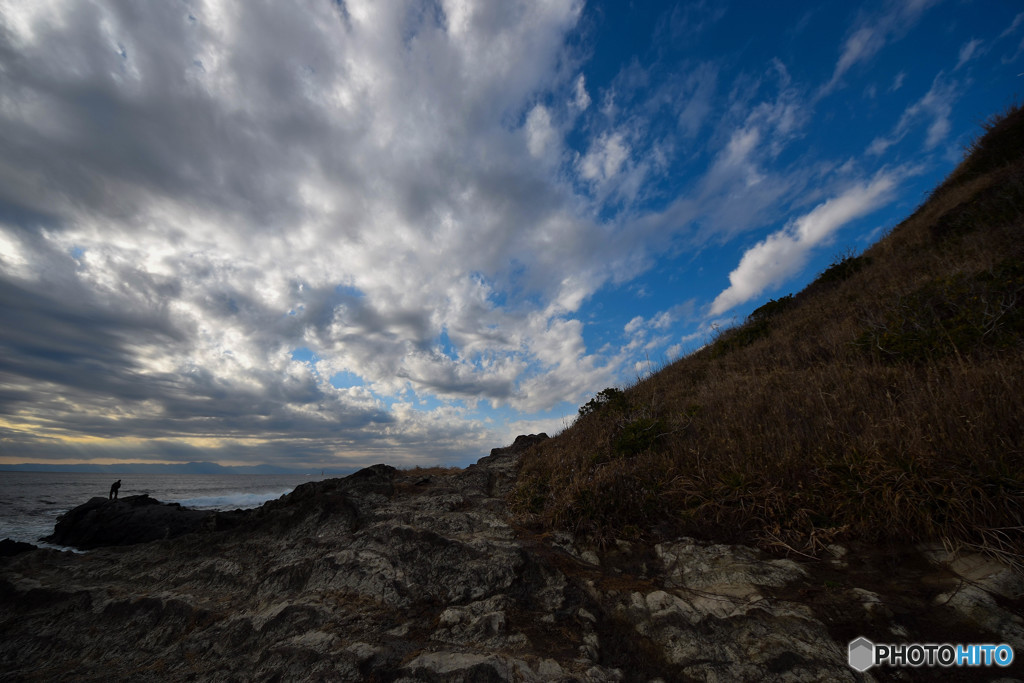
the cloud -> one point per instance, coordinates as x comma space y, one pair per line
1014, 25
783, 253
935, 107
699, 92
191, 191
581, 98
540, 134
968, 51
863, 44
1009, 31
605, 158
634, 324
652, 335
688, 21
744, 187
871, 34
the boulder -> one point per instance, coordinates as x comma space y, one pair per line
125, 521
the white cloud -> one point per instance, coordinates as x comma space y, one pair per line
968, 51
863, 44
648, 335
581, 99
872, 34
633, 325
879, 146
605, 158
934, 108
783, 253
737, 160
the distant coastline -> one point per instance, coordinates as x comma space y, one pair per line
172, 468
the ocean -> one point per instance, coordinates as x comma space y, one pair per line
30, 502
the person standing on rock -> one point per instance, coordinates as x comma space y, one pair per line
113, 489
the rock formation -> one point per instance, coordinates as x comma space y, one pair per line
422, 576
124, 521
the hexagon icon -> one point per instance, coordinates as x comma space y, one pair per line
862, 654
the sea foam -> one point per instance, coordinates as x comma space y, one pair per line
230, 501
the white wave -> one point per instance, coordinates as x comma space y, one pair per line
230, 501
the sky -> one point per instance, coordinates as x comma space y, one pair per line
334, 233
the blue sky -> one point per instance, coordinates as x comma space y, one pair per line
339, 233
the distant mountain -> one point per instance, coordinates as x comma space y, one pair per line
176, 468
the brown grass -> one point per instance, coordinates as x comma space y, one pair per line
438, 470
885, 402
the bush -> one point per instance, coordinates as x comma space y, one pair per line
639, 435
611, 398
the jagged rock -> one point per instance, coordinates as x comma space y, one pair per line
385, 576
124, 521
521, 443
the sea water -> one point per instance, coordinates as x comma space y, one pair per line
30, 502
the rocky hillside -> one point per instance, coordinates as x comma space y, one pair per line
423, 576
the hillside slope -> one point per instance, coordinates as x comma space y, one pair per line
883, 403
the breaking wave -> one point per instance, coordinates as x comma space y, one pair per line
230, 501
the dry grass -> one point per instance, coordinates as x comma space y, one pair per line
436, 470
885, 402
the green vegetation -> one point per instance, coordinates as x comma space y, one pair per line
608, 399
885, 402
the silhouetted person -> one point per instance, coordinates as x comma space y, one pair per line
113, 489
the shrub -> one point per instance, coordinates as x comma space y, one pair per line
639, 435
611, 398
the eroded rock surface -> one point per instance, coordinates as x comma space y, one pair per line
420, 576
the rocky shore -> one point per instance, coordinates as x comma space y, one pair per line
125, 521
395, 576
